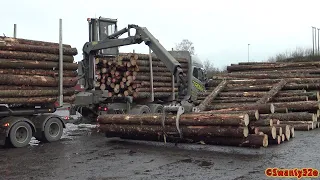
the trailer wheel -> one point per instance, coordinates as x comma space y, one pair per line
140, 109
156, 108
52, 130
20, 134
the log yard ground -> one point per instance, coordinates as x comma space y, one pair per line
83, 153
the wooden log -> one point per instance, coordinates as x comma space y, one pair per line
213, 94
156, 89
280, 110
286, 130
253, 114
142, 95
270, 75
297, 106
196, 119
273, 91
262, 122
187, 131
262, 108
30, 64
275, 121
301, 127
31, 42
155, 84
241, 94
235, 100
35, 100
277, 140
34, 93
279, 130
6, 46
38, 72
269, 81
290, 99
253, 140
294, 116
156, 78
8, 79
292, 131
270, 131
33, 56
270, 66
283, 137
297, 122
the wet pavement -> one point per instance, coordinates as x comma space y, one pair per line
85, 154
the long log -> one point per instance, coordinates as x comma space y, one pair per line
301, 127
6, 46
295, 116
31, 42
30, 64
142, 95
40, 72
270, 81
275, 89
156, 78
156, 89
253, 114
213, 94
155, 84
35, 100
8, 79
271, 75
34, 93
271, 66
196, 119
262, 108
270, 131
187, 131
297, 122
297, 106
262, 122
34, 56
26, 87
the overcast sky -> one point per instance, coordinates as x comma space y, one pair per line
220, 30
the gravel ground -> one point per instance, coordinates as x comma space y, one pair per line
85, 154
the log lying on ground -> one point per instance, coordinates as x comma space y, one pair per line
33, 56
262, 108
262, 122
308, 106
286, 129
187, 131
6, 46
270, 131
195, 119
296, 116
35, 100
8, 79
253, 114
301, 127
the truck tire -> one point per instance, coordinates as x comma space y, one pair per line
156, 108
20, 134
140, 109
52, 130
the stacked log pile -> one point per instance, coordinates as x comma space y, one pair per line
205, 127
29, 71
288, 92
129, 75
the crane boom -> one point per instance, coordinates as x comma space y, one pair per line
142, 35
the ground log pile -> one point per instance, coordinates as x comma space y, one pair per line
285, 95
129, 75
204, 127
29, 71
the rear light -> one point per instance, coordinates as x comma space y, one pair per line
56, 104
99, 108
66, 118
105, 109
6, 125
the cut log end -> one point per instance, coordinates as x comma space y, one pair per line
245, 131
283, 137
274, 132
272, 109
279, 131
246, 119
314, 118
265, 141
257, 115
292, 132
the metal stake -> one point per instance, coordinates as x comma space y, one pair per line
60, 65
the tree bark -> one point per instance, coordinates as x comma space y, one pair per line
34, 93
31, 42
196, 119
297, 106
213, 94
262, 108
295, 116
253, 114
156, 78
33, 56
262, 122
12, 63
40, 72
269, 95
142, 95
301, 127
156, 89
7, 79
270, 75
187, 131
35, 100
290, 99
6, 46
286, 129
270, 131
279, 130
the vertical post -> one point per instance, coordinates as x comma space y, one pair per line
312, 40
315, 40
151, 76
318, 41
248, 52
60, 65
15, 30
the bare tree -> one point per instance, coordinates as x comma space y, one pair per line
185, 45
211, 70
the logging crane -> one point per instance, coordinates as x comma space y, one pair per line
104, 39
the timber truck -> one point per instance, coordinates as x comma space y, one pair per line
104, 41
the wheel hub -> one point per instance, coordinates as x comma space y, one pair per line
54, 129
21, 134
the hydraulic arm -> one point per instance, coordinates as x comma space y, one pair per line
142, 35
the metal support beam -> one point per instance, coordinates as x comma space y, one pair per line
15, 30
60, 65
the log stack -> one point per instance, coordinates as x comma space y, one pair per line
129, 75
29, 71
204, 127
